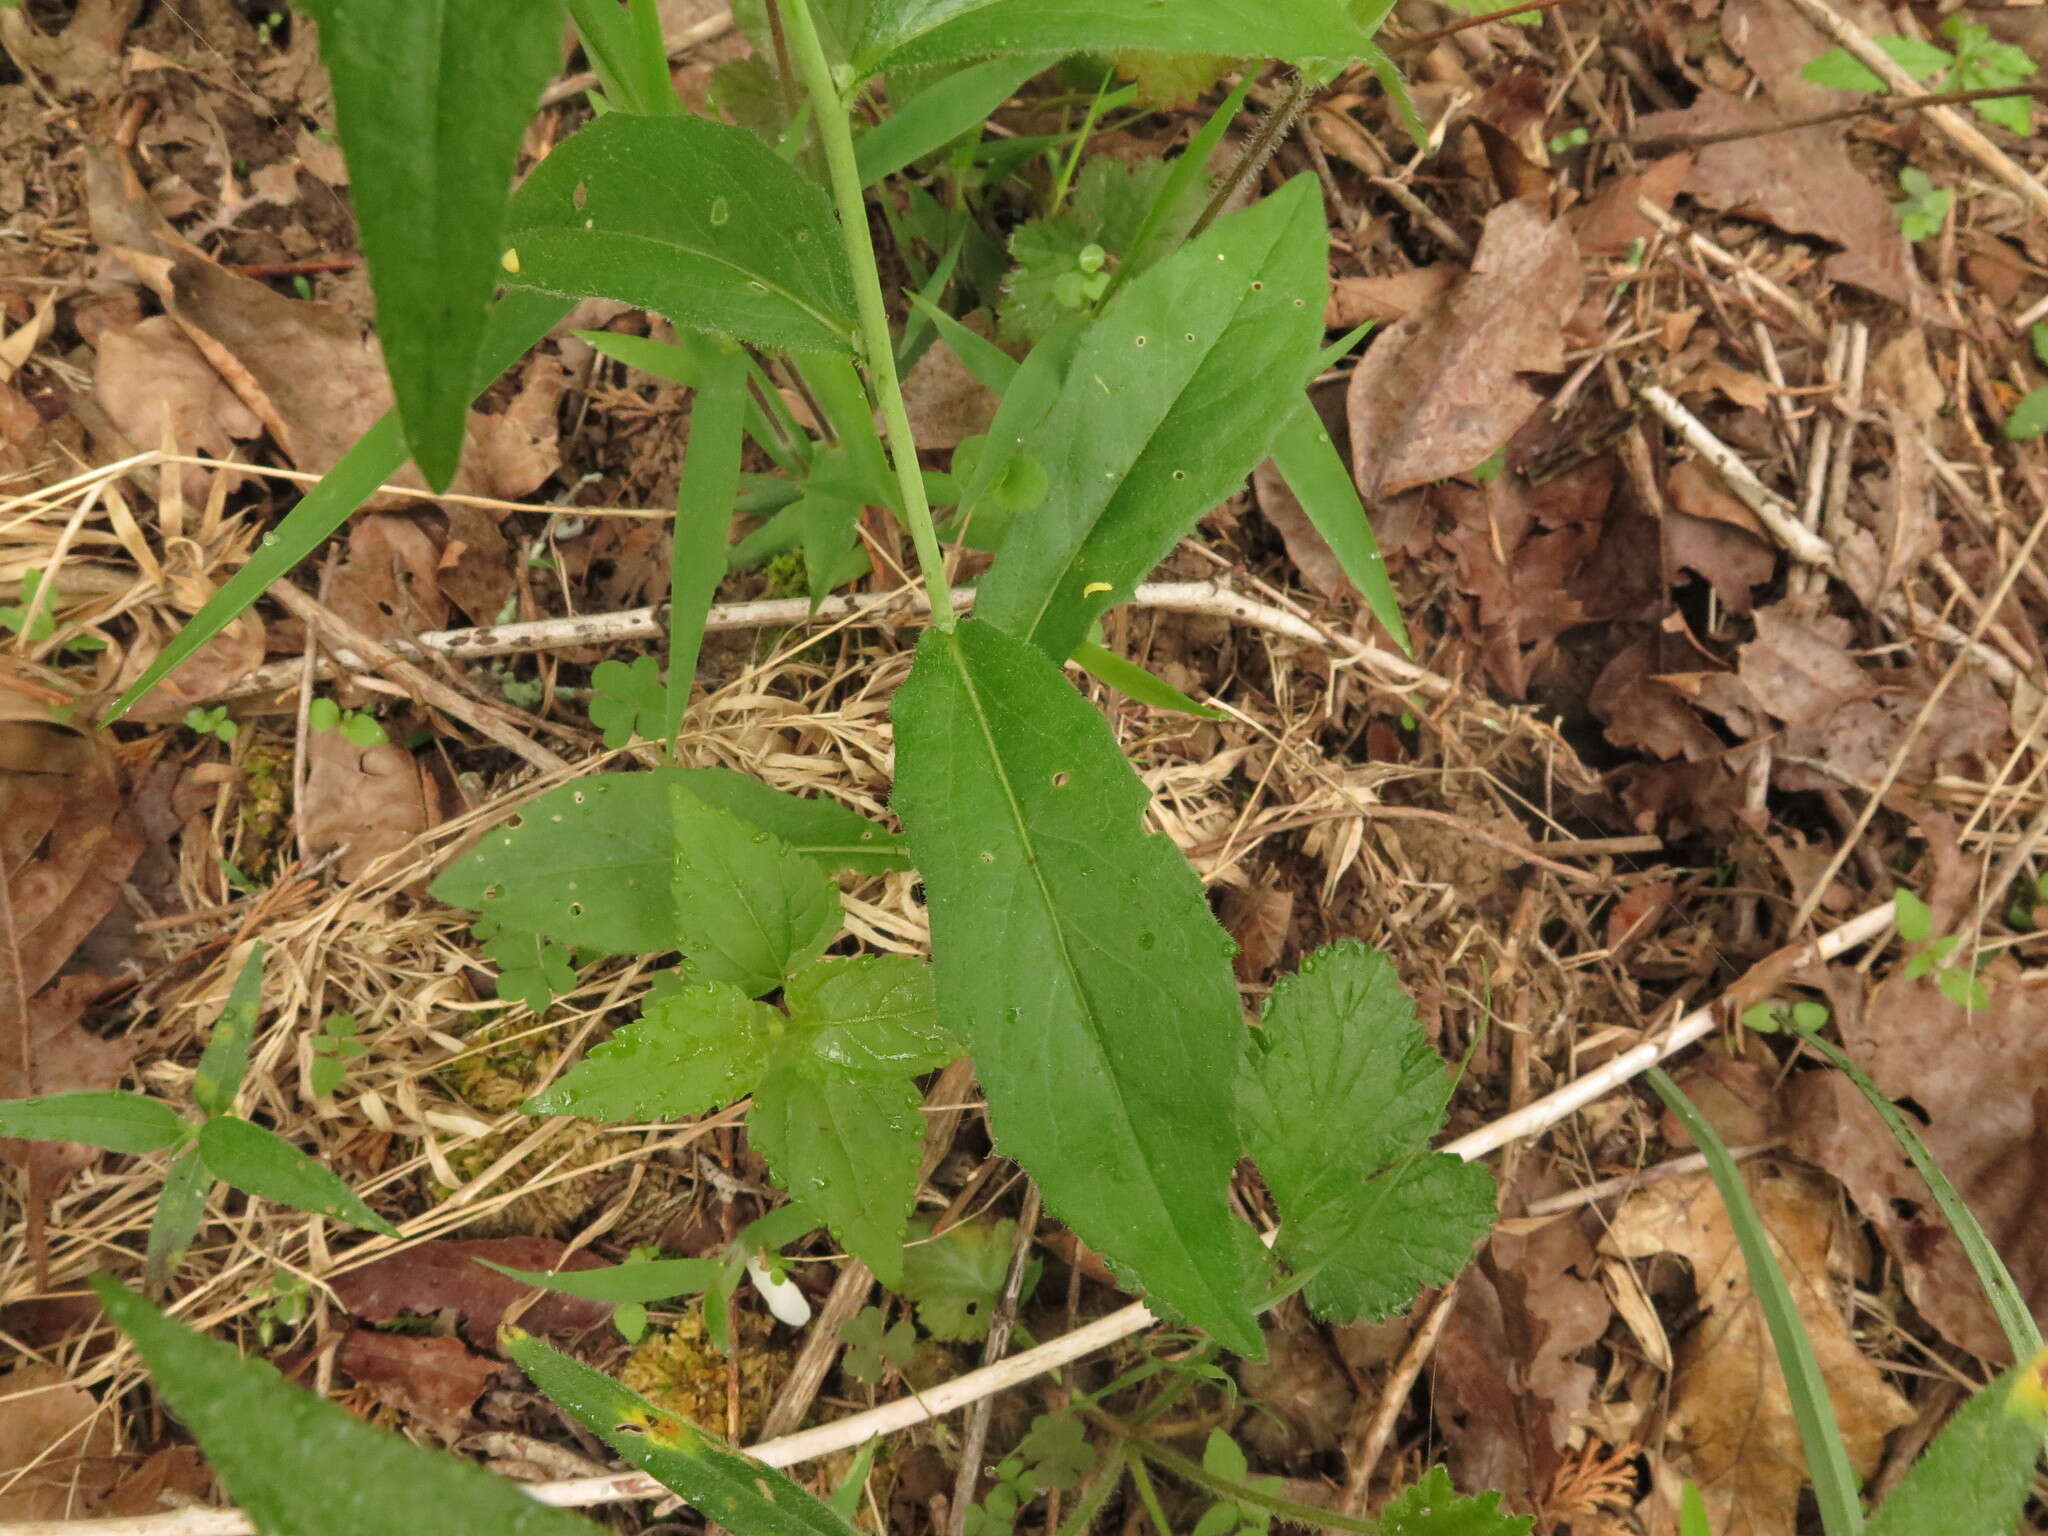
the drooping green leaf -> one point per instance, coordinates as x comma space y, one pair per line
704, 499
941, 112
697, 220
1911, 916
639, 1281
1340, 1098
120, 1122
431, 98
1974, 1478
935, 31
180, 1207
1323, 484
1813, 1410
749, 907
736, 1491
262, 1163
1173, 397
992, 367
1132, 680
625, 47
225, 1061
516, 322
694, 1048
588, 864
1431, 1506
295, 1462
957, 1277
1076, 957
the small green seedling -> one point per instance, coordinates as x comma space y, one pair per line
1778, 1017
357, 726
873, 1347
1570, 139
1958, 983
212, 722
628, 700
34, 617
1924, 208
1222, 1457
221, 1145
1978, 63
2029, 418
333, 1049
286, 1301
2023, 914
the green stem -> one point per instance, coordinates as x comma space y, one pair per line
836, 133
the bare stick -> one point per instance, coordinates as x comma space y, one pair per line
1772, 510
1877, 106
1371, 1444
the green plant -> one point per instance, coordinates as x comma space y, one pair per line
212, 722
1958, 983
1776, 1016
2029, 419
220, 1145
333, 1049
1924, 208
356, 726
1976, 63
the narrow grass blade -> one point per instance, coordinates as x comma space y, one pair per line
1190, 170
2014, 1316
704, 498
649, 1280
1827, 1461
120, 1122
626, 49
295, 1462
1134, 681
226, 1059
992, 367
518, 321
940, 113
260, 1162
735, 1490
1309, 462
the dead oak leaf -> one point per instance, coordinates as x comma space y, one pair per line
154, 384
1798, 667
1442, 389
443, 1275
57, 1449
364, 801
1731, 1415
433, 1378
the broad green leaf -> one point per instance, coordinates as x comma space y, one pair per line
1973, 1479
693, 1049
626, 49
1077, 959
736, 1491
749, 907
588, 864
120, 1122
226, 1059
431, 98
262, 1163
698, 220
1340, 1098
1173, 397
295, 1462
940, 113
874, 1015
627, 699
846, 1147
1813, 1411
1915, 56
1322, 483
984, 508
957, 1277
517, 321
2029, 419
1911, 916
1127, 677
180, 1207
992, 367
1431, 1506
642, 1281
935, 31
1840, 70
704, 497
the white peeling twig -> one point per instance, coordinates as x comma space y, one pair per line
1772, 510
857, 1429
1213, 598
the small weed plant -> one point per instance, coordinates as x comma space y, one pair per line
1166, 350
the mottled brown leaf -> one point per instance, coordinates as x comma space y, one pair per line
366, 801
1798, 667
442, 1275
57, 1448
435, 1378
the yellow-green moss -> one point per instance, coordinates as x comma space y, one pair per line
677, 1368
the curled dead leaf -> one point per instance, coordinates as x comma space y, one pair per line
364, 801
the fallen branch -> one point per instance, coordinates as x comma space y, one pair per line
917, 1408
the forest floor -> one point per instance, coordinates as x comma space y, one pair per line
1728, 604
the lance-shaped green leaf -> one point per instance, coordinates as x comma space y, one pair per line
835, 1112
1321, 482
180, 1207
225, 1061
641, 1280
718, 1482
297, 1463
1340, 1097
120, 1122
1075, 955
431, 97
1173, 397
262, 1163
704, 497
626, 49
941, 112
901, 32
698, 220
749, 908
516, 322
588, 864
1976, 1475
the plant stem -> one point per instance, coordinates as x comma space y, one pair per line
835, 132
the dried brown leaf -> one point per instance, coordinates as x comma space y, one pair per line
1798, 667
365, 801
1731, 1417
1611, 222
57, 1448
434, 1378
156, 387
1306, 548
442, 1275
389, 586
1355, 300
945, 401
1441, 390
